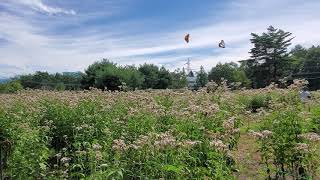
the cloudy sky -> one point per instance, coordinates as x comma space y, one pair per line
69, 35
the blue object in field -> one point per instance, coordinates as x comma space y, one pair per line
305, 95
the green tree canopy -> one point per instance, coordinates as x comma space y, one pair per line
106, 74
269, 56
179, 79
44, 80
306, 65
150, 73
11, 87
164, 79
230, 72
202, 78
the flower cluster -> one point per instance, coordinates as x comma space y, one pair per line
298, 84
219, 145
165, 139
310, 136
69, 134
260, 135
119, 145
302, 147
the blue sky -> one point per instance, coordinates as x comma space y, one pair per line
69, 35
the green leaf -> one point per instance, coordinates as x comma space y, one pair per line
176, 169
42, 166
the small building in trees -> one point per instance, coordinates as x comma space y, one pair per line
191, 77
192, 80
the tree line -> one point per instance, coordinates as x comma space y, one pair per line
108, 75
270, 61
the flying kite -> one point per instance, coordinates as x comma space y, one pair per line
222, 44
186, 38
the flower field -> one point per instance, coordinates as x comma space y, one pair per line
160, 134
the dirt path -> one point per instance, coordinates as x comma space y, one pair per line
248, 158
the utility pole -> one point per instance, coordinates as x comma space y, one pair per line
188, 66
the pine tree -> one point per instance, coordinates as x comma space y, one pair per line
269, 54
202, 78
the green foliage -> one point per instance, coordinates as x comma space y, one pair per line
268, 61
28, 144
281, 145
230, 72
297, 57
258, 101
222, 71
44, 80
108, 77
312, 60
305, 64
150, 73
60, 87
154, 134
202, 78
106, 74
132, 77
302, 63
164, 79
122, 140
315, 126
11, 87
155, 78
240, 76
179, 79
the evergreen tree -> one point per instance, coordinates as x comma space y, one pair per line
151, 73
269, 55
202, 78
164, 79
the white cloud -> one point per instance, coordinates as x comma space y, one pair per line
42, 7
29, 45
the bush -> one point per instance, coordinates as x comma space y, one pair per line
258, 101
106, 74
316, 120
11, 87
283, 148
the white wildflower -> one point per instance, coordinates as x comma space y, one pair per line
119, 145
255, 134
96, 147
219, 145
302, 147
65, 160
310, 136
266, 133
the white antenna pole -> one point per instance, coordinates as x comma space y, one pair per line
188, 67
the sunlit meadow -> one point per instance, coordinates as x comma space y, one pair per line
214, 133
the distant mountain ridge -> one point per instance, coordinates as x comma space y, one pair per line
76, 74
4, 80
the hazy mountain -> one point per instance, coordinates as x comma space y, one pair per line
4, 80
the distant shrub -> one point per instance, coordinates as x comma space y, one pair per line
258, 101
10, 87
60, 87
